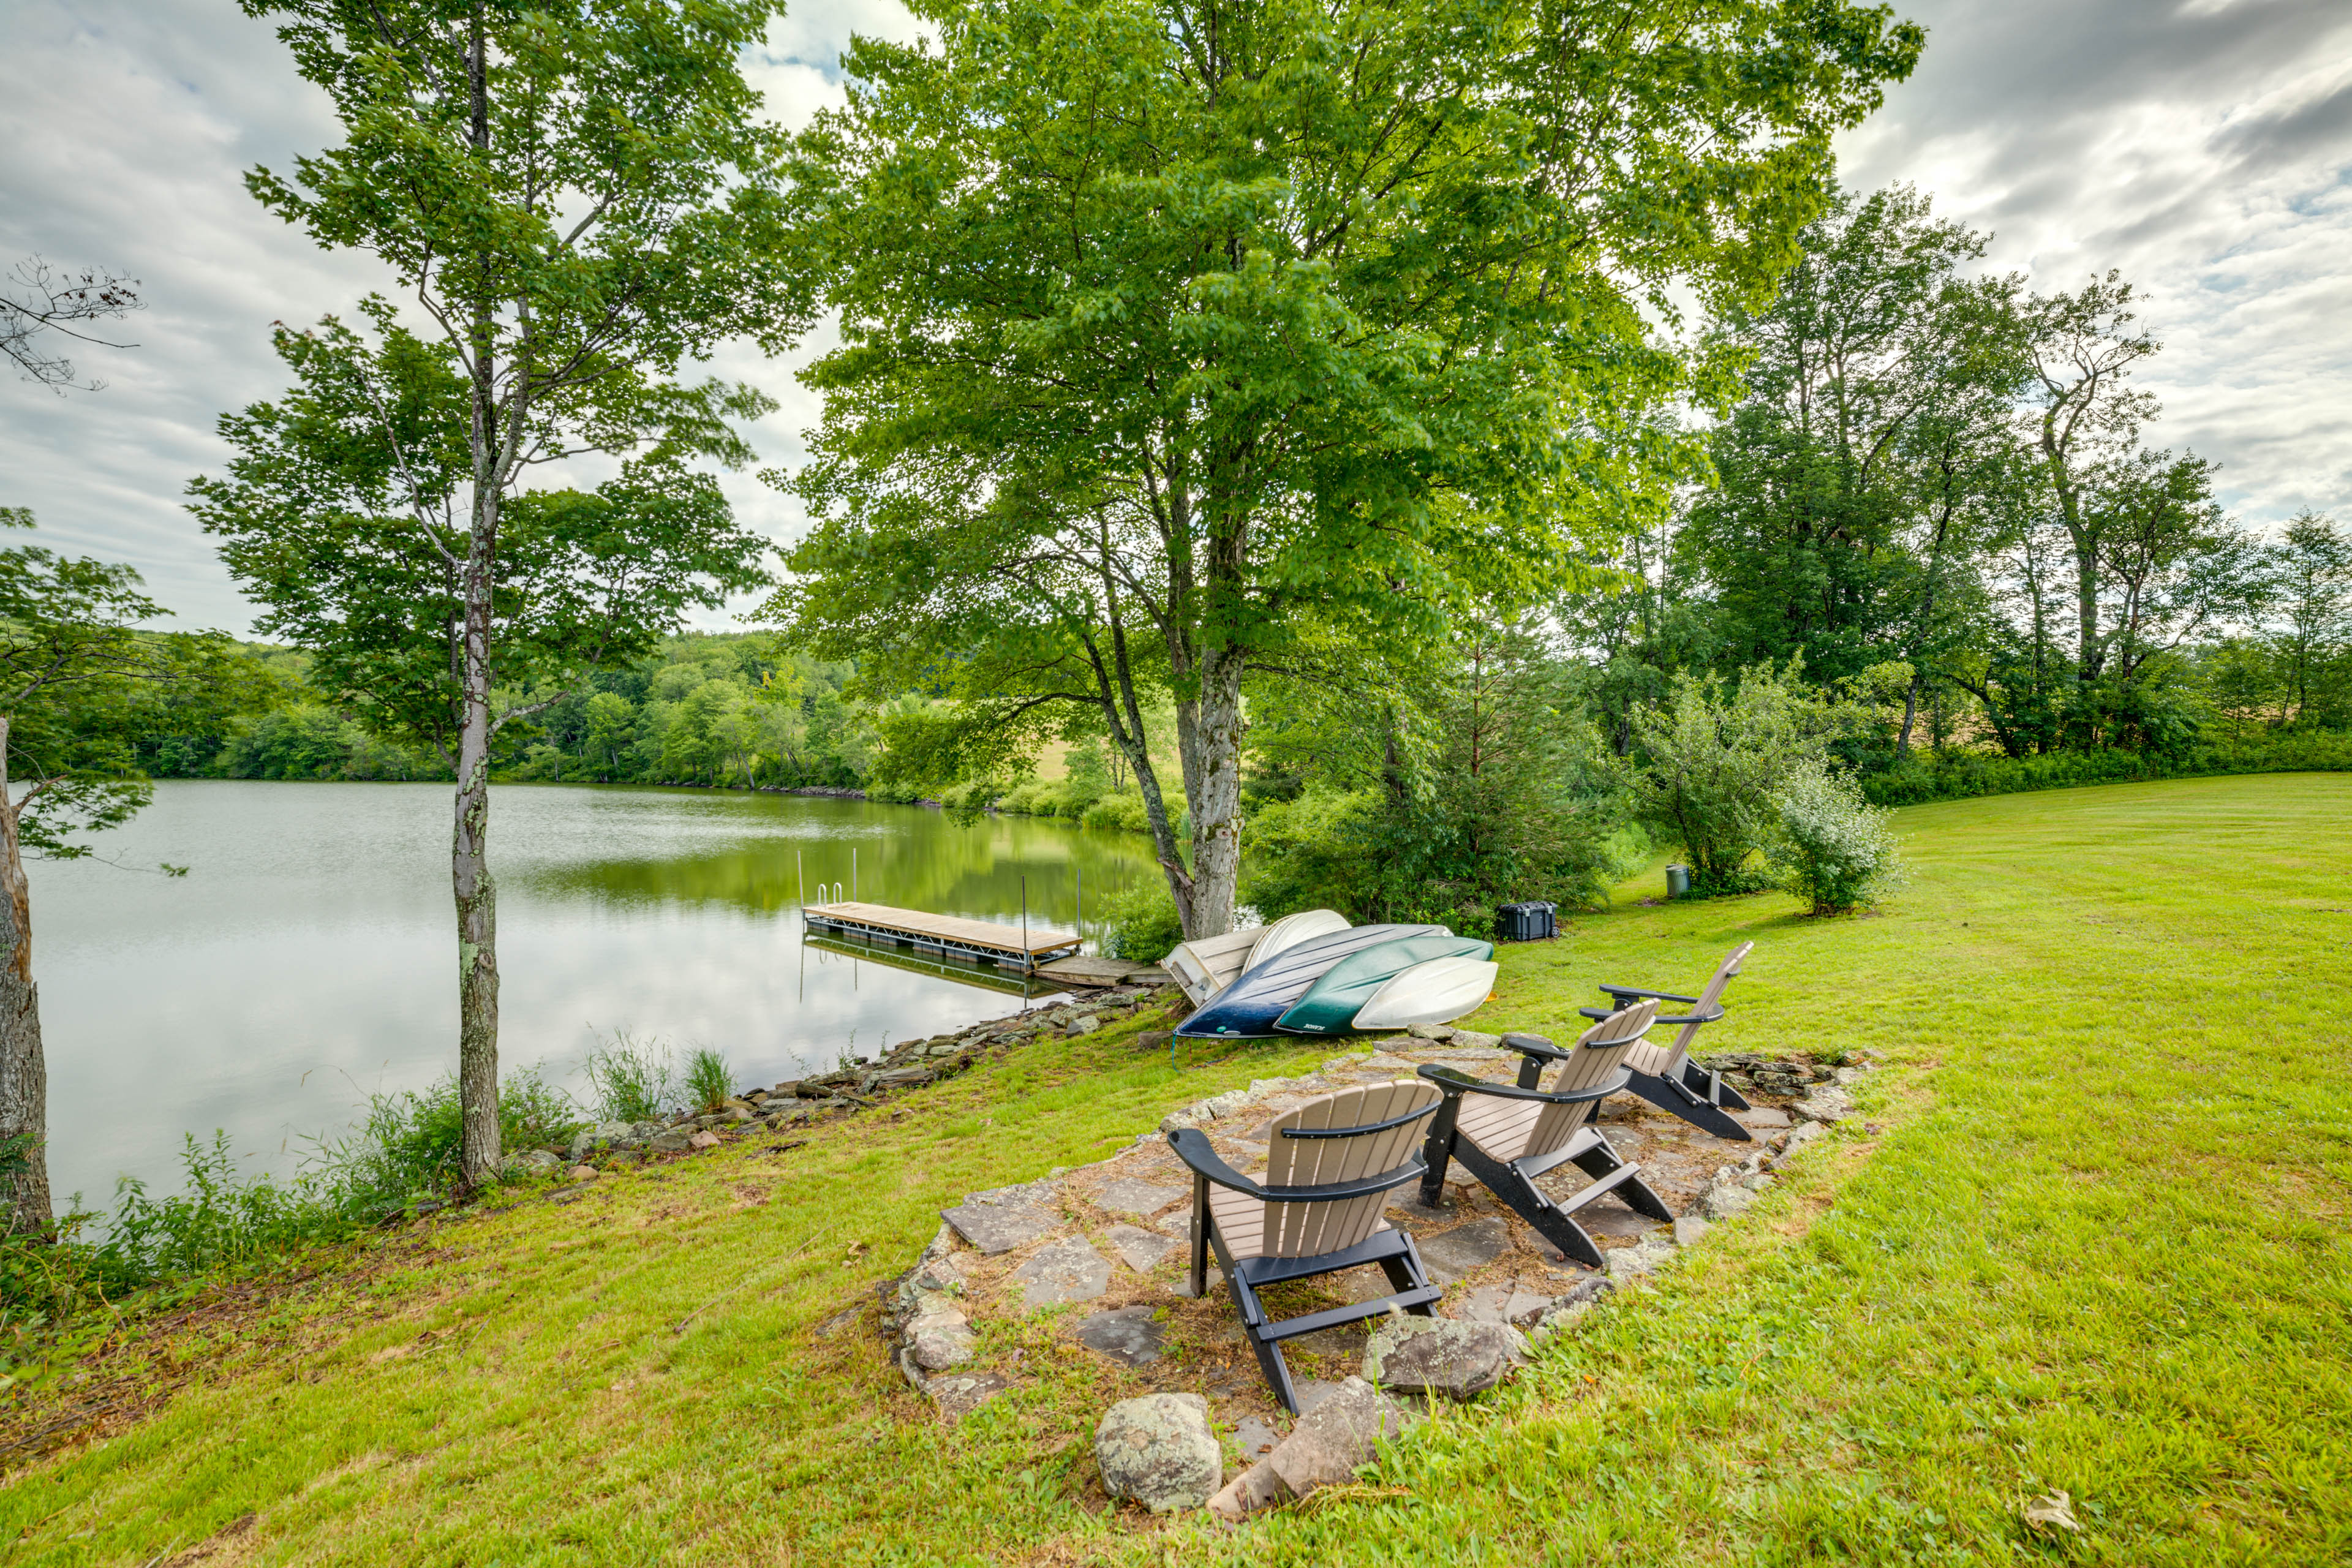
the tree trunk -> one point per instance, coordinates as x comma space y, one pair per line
1213, 770
471, 879
23, 1073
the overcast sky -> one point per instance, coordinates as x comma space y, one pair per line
2204, 148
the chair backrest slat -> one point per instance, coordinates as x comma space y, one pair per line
1307, 1230
1597, 1056
1680, 1050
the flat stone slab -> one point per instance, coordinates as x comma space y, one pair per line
1503, 1304
1456, 1252
962, 1394
1139, 1249
1127, 1335
1144, 1199
1063, 1271
1002, 1218
1255, 1438
1762, 1116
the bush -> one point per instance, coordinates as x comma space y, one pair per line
1142, 924
634, 1080
408, 1147
1716, 759
1964, 775
708, 1079
1831, 846
221, 1222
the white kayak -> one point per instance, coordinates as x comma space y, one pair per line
1437, 992
1289, 932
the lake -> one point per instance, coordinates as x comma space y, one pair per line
310, 957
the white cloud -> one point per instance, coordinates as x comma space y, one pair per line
2205, 149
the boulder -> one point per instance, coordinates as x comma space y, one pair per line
582, 1173
938, 1338
675, 1141
1259, 1487
1339, 1434
1455, 1358
533, 1162
703, 1140
1827, 1104
1725, 1200
1158, 1450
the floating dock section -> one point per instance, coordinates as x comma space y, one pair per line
981, 942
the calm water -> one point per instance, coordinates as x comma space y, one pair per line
310, 955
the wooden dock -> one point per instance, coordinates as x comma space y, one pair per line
981, 941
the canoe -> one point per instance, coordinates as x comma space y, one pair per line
1206, 967
1436, 991
1330, 1004
1290, 931
1252, 1002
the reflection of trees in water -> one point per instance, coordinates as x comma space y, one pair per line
912, 858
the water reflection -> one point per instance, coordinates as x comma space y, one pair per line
307, 959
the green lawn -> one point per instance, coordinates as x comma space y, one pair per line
2098, 1247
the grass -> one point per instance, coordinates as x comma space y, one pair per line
2098, 1247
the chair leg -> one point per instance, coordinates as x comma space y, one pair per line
1710, 1087
1668, 1095
1437, 1149
1200, 1237
1636, 1193
1406, 1272
1269, 1352
1522, 1198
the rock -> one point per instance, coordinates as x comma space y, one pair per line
1627, 1262
1456, 1252
1337, 1436
1725, 1200
1568, 1308
582, 1173
1158, 1451
1142, 1199
1688, 1229
939, 1339
958, 1394
1139, 1248
1128, 1335
1827, 1104
1064, 1271
950, 1049
1505, 1304
1002, 1218
675, 1141
1804, 1133
1844, 1077
1255, 1438
1439, 1032
1762, 1116
905, 1077
1456, 1359
1087, 1025
533, 1162
786, 1089
1153, 1039
1471, 1039
704, 1140
1254, 1489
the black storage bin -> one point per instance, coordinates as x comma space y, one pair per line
1526, 922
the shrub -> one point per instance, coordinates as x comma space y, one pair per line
1141, 925
708, 1079
634, 1080
222, 1221
408, 1146
1964, 775
1716, 759
1830, 845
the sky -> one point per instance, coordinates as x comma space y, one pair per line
2204, 149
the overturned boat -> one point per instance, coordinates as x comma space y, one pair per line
1332, 1005
1262, 994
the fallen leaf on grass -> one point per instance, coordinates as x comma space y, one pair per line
2054, 1512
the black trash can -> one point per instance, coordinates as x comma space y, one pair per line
1526, 922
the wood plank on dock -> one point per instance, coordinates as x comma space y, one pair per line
951, 931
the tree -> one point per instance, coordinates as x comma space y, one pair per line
2312, 575
71, 665
1716, 758
1168, 323
577, 196
35, 302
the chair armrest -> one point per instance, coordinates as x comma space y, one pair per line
1622, 991
1193, 1147
1534, 1045
1694, 1018
1461, 1082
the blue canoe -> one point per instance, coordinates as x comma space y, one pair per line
1248, 1007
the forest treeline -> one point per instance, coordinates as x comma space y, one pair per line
702, 708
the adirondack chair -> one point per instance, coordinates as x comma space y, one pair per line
1329, 1165
1509, 1135
1665, 1075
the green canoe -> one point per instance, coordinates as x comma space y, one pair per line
1329, 1006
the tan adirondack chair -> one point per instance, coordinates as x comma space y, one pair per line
1665, 1075
1330, 1165
1508, 1135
